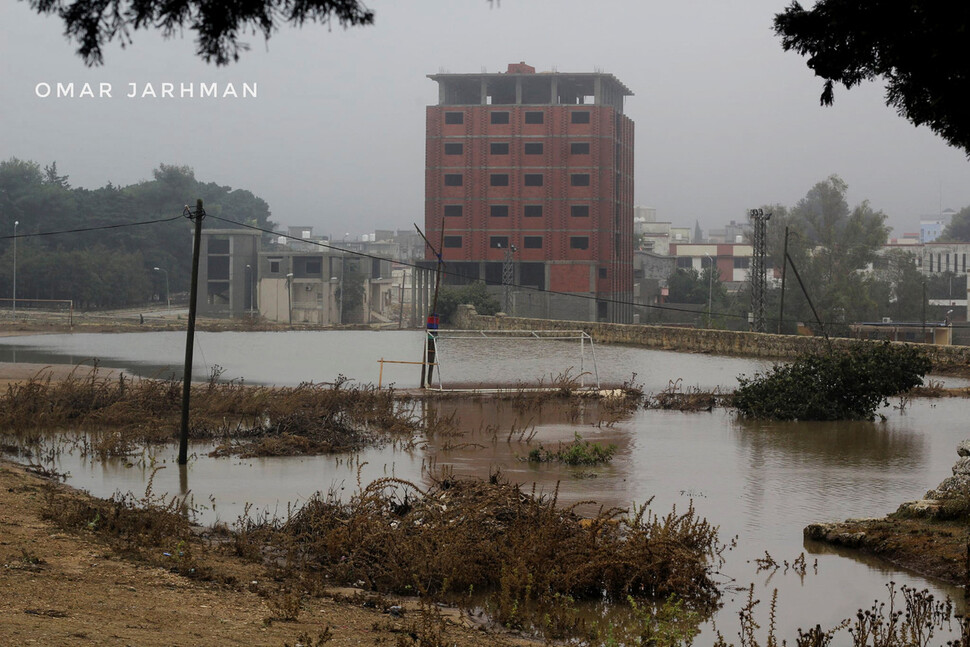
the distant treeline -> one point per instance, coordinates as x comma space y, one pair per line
106, 267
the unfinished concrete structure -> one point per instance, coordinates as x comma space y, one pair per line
227, 266
535, 171
305, 287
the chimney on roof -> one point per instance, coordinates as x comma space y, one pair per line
520, 68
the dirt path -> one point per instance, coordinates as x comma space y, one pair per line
73, 589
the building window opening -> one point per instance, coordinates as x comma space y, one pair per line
498, 242
579, 148
579, 242
533, 148
579, 117
579, 211
452, 242
579, 179
533, 179
500, 117
454, 149
532, 242
532, 211
499, 211
533, 117
453, 210
498, 148
454, 117
453, 179
499, 179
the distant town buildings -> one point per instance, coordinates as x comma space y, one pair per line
930, 227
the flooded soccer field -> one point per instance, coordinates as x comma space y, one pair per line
761, 482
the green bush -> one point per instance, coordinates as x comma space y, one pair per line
578, 452
476, 294
839, 385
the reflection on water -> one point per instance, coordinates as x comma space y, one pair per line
760, 481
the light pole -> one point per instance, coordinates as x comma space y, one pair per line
289, 298
710, 286
15, 223
168, 299
334, 283
252, 289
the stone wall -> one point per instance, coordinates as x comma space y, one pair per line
695, 340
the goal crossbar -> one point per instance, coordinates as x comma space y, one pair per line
524, 335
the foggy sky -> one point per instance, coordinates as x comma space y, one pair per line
725, 120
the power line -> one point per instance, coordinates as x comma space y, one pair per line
663, 308
456, 274
531, 288
84, 229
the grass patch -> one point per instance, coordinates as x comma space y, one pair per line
578, 452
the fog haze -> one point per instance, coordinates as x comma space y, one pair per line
725, 120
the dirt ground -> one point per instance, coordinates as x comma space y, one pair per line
939, 549
73, 589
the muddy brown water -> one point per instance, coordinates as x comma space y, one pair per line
761, 482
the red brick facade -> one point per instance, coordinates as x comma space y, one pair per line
554, 181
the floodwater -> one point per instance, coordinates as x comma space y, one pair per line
289, 358
762, 482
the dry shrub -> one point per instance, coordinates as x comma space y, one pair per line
492, 538
151, 527
676, 397
308, 419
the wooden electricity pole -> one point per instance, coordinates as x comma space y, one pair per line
197, 216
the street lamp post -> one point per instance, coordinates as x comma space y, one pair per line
252, 289
710, 287
289, 298
334, 290
168, 298
15, 223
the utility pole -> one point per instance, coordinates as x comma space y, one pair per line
758, 268
508, 277
196, 216
924, 311
431, 327
710, 286
15, 223
784, 268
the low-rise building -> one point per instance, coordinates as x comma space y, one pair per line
733, 261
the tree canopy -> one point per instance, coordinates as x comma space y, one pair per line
217, 25
110, 265
958, 229
830, 244
918, 48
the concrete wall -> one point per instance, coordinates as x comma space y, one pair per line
695, 340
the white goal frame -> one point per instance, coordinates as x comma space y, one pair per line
522, 335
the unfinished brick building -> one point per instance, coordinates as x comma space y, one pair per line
542, 163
